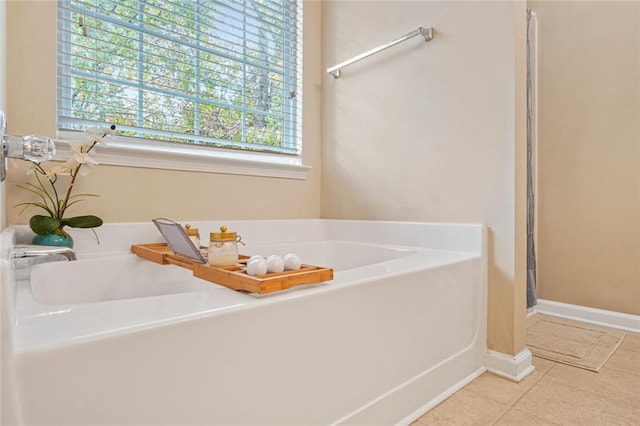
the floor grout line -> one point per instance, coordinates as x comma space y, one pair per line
502, 415
529, 390
526, 392
535, 384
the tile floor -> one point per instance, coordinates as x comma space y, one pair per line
554, 394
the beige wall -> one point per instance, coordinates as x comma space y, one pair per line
433, 132
589, 154
454, 151
3, 362
3, 96
136, 194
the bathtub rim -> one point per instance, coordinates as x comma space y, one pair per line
317, 227
121, 236
31, 328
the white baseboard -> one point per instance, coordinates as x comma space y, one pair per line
621, 321
512, 367
411, 418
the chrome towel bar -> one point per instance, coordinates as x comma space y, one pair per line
427, 33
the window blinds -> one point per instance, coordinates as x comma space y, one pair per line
224, 73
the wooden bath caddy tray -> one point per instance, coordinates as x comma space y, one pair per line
235, 277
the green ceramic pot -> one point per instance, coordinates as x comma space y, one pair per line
57, 238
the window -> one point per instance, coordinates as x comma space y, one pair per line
206, 73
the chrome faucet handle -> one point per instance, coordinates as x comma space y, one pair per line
27, 250
33, 147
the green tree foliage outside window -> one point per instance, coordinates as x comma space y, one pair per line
210, 72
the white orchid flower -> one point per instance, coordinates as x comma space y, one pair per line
86, 160
80, 145
60, 169
79, 157
95, 134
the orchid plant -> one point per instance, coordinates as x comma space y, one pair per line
54, 201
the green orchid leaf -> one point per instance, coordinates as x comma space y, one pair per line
83, 195
44, 195
73, 200
88, 221
34, 189
70, 203
43, 225
31, 187
45, 192
26, 205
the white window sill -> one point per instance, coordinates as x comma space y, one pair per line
121, 151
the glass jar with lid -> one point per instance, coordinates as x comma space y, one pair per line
223, 248
194, 235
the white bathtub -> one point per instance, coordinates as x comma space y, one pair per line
114, 339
